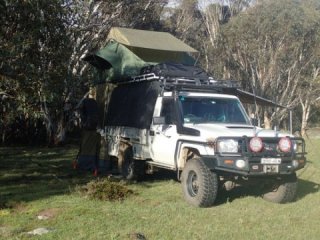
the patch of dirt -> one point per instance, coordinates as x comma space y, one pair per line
49, 213
20, 207
5, 231
136, 236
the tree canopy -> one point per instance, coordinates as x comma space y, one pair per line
271, 46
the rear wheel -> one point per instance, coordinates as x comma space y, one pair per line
130, 169
199, 184
282, 191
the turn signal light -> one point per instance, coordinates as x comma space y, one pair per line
228, 162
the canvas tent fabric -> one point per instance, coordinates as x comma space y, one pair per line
128, 50
118, 60
250, 98
137, 101
149, 39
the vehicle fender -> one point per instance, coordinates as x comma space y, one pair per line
202, 149
113, 145
140, 151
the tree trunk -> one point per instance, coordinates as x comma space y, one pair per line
60, 134
305, 118
267, 121
3, 136
50, 133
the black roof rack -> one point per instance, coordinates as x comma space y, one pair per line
184, 82
230, 87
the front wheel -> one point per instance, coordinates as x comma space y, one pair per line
199, 184
282, 191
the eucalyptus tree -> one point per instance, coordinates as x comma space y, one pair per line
41, 47
215, 14
271, 48
33, 47
309, 88
218, 12
198, 22
184, 21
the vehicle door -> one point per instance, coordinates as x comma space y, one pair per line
164, 139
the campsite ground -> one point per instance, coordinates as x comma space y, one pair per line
41, 182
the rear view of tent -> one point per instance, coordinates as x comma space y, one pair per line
128, 50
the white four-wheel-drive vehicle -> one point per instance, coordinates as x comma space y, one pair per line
199, 129
176, 117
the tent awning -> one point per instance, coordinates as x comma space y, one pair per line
250, 98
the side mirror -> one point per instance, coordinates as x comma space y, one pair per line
159, 120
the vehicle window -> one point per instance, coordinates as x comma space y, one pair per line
218, 110
167, 111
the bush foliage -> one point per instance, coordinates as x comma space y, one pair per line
106, 190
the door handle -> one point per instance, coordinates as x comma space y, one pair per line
152, 133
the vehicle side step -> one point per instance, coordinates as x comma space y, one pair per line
161, 165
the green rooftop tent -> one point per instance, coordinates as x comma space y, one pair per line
128, 50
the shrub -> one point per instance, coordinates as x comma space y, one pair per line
106, 190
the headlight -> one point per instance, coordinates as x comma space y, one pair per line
228, 146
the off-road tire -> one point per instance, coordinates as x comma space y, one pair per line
199, 184
130, 169
283, 191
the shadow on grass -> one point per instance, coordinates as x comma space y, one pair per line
304, 188
28, 174
159, 176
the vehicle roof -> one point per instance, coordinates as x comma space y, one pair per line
199, 94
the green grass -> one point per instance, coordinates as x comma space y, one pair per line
33, 181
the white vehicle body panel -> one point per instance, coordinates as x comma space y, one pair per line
163, 144
231, 130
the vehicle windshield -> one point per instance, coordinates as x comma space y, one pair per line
212, 110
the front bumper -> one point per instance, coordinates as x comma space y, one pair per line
264, 163
253, 166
